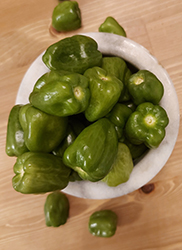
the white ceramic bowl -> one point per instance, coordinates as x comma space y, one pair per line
155, 159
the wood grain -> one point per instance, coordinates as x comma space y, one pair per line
147, 221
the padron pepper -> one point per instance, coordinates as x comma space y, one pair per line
105, 91
147, 125
93, 151
39, 173
121, 167
110, 25
103, 223
42, 132
61, 95
15, 143
56, 209
144, 86
66, 16
75, 54
119, 116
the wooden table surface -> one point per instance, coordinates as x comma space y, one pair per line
147, 221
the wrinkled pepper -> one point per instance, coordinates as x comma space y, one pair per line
39, 173
121, 167
42, 132
110, 25
147, 125
75, 54
105, 91
144, 86
66, 16
119, 116
56, 209
15, 143
93, 151
62, 95
103, 223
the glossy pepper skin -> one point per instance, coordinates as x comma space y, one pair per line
93, 151
75, 54
15, 143
121, 167
61, 95
119, 116
110, 25
42, 132
56, 209
105, 91
66, 16
39, 173
103, 223
147, 125
117, 67
144, 86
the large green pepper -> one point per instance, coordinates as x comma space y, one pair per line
119, 116
39, 173
121, 167
110, 25
147, 125
66, 16
15, 144
103, 223
42, 132
105, 91
75, 54
144, 86
56, 209
93, 151
61, 95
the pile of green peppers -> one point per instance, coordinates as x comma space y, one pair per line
89, 118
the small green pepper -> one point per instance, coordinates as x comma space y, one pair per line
147, 125
75, 54
56, 209
39, 173
103, 223
121, 167
144, 86
119, 116
66, 16
136, 150
42, 132
105, 91
15, 143
61, 95
110, 25
93, 151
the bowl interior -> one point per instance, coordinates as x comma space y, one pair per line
155, 159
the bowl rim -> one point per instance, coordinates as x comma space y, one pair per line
145, 170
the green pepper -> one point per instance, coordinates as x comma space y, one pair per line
93, 151
15, 143
144, 86
147, 125
56, 209
110, 25
136, 150
66, 16
105, 91
62, 95
42, 132
121, 167
119, 116
117, 66
75, 54
39, 173
103, 223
